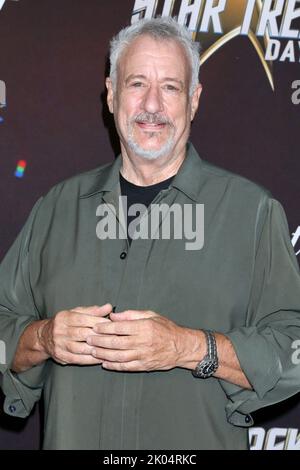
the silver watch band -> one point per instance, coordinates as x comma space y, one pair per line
209, 364
211, 343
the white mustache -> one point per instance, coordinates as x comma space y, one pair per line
150, 118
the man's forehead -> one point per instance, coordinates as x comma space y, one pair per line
168, 51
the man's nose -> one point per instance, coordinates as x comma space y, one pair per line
152, 102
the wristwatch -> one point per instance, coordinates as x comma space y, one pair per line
209, 364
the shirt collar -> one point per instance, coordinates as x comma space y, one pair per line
186, 180
190, 174
106, 180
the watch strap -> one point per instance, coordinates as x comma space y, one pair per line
209, 364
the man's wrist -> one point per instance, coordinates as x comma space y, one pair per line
39, 343
193, 348
30, 350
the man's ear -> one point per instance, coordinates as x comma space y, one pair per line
110, 95
195, 100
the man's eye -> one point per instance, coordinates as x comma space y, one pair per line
136, 84
171, 87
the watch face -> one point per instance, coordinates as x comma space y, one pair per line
209, 363
206, 368
209, 368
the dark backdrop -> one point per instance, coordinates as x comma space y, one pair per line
53, 58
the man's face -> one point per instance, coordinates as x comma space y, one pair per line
151, 104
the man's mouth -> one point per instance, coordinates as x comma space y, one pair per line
151, 126
151, 122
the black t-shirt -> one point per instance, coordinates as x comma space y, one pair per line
140, 194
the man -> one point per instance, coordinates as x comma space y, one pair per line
174, 347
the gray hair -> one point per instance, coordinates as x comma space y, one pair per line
162, 28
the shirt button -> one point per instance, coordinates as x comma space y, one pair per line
12, 408
247, 419
123, 255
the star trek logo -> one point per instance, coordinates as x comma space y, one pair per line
3, 1
216, 22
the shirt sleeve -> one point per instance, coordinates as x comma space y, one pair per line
17, 311
265, 346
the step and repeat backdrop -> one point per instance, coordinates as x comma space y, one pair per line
54, 122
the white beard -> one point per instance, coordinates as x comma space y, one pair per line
149, 154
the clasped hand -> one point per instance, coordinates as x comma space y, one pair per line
133, 340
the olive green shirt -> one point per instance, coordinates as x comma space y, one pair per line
244, 283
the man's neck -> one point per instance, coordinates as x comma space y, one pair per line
143, 172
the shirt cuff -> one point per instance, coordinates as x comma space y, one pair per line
263, 369
257, 357
22, 390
